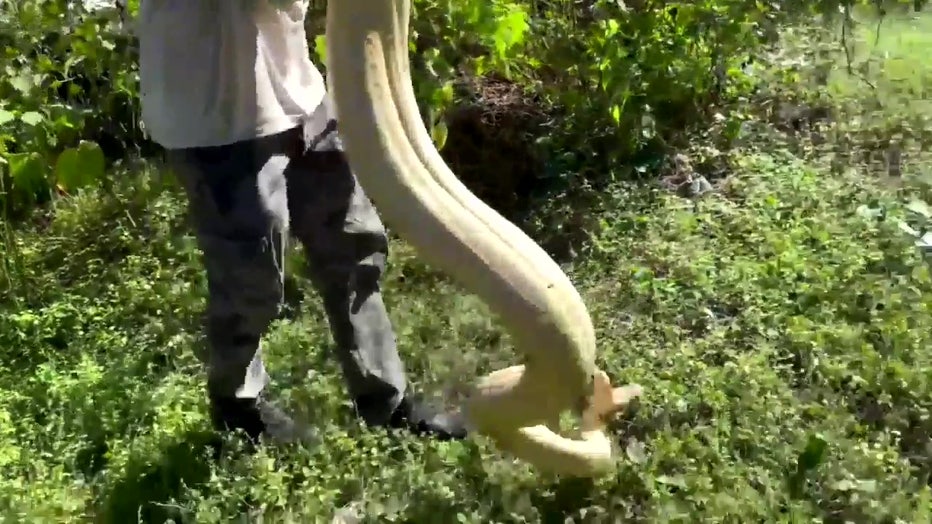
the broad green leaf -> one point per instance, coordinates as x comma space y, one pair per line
439, 133
22, 83
31, 118
813, 455
510, 31
79, 167
6, 116
612, 29
28, 172
320, 48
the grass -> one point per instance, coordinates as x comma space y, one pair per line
892, 52
880, 93
782, 338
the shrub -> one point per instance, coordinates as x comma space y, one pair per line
595, 89
68, 99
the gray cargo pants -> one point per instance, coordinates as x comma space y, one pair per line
243, 198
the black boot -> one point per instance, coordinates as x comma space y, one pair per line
422, 419
257, 418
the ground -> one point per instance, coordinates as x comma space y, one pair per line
780, 327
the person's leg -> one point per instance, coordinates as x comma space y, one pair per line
238, 206
347, 247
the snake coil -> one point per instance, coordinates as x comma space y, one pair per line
393, 156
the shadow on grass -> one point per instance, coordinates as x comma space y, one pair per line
149, 487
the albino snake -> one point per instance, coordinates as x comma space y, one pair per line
393, 157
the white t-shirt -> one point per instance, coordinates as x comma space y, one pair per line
214, 72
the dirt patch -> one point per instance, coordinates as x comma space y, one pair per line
490, 145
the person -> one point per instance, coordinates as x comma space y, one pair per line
229, 90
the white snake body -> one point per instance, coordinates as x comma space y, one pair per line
393, 156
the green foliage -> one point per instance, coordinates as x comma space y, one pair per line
620, 83
872, 91
451, 38
639, 79
69, 80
